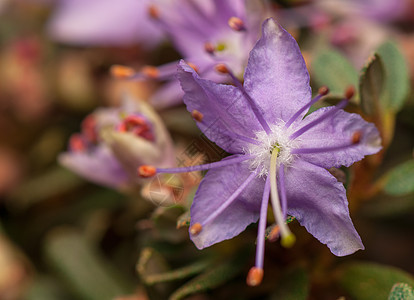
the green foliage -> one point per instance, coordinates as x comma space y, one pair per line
367, 281
397, 83
332, 69
400, 180
370, 84
401, 291
294, 285
82, 267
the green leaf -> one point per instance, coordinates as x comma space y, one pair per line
367, 281
370, 84
332, 69
293, 285
400, 180
401, 291
397, 83
83, 267
214, 277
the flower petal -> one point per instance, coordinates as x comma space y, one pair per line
336, 131
319, 203
276, 75
99, 166
225, 111
216, 187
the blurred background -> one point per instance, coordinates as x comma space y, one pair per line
64, 237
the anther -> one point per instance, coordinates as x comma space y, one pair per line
323, 91
198, 116
236, 24
274, 234
193, 66
154, 12
77, 143
209, 47
121, 72
196, 228
151, 72
288, 240
147, 171
221, 68
356, 137
350, 92
255, 276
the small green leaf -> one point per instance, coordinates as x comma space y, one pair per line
332, 69
214, 277
400, 181
294, 285
370, 84
401, 291
367, 281
397, 83
83, 267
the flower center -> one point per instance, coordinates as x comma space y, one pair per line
137, 125
278, 139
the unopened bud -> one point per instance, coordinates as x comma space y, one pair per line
254, 277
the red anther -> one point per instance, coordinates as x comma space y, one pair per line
151, 72
209, 47
255, 276
193, 66
138, 126
356, 137
121, 72
236, 24
196, 229
154, 12
323, 90
349, 93
274, 234
222, 68
89, 129
77, 143
147, 171
198, 116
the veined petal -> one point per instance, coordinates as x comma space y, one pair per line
318, 201
276, 76
336, 131
225, 111
216, 187
99, 166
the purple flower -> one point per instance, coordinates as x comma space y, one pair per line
205, 33
275, 151
114, 141
103, 22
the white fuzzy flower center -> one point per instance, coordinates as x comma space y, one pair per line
278, 139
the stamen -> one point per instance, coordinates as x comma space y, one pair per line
218, 164
254, 277
147, 171
329, 113
153, 11
323, 91
224, 69
77, 143
282, 189
236, 24
230, 200
121, 72
138, 126
196, 228
193, 66
198, 116
355, 139
287, 237
209, 47
89, 129
151, 72
274, 234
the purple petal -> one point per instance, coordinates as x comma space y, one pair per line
336, 131
225, 111
319, 203
276, 76
99, 166
216, 187
104, 22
